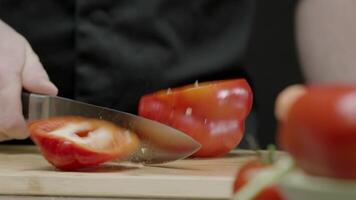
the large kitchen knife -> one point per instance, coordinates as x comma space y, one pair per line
159, 143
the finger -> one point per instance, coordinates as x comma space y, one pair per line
12, 54
3, 137
34, 77
286, 99
12, 123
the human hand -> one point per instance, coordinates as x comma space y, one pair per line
20, 68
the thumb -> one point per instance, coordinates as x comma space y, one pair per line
34, 77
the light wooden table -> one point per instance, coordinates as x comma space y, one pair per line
24, 174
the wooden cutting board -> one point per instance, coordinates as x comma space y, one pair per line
23, 171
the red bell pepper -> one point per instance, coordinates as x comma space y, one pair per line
213, 113
71, 143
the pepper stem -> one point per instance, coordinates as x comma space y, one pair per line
268, 158
271, 154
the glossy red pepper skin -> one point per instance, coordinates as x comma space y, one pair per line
71, 150
246, 172
320, 131
213, 113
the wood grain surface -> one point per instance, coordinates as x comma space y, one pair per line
25, 174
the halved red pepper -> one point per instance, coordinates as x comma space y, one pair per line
71, 143
213, 113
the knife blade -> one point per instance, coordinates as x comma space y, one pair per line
159, 143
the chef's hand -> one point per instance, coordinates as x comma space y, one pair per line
19, 68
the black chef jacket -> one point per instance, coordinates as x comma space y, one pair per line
111, 52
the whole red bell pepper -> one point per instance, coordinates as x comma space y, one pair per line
247, 171
319, 130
